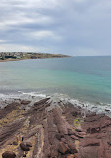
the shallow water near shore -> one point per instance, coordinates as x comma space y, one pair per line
87, 79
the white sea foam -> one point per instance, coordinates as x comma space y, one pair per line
55, 99
34, 94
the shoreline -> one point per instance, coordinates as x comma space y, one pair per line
16, 56
61, 128
97, 107
7, 60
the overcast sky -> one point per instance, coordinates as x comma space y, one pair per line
74, 27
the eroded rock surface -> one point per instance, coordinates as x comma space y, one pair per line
50, 129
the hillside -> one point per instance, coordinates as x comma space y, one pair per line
26, 55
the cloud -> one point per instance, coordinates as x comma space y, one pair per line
45, 34
18, 48
60, 26
23, 48
3, 41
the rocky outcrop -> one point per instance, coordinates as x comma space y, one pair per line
49, 131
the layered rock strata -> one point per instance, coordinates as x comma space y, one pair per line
59, 130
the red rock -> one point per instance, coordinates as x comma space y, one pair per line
58, 136
63, 148
70, 132
8, 154
63, 140
74, 137
89, 152
90, 142
72, 148
71, 156
54, 151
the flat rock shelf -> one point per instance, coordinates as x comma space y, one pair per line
53, 129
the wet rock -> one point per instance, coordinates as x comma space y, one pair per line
107, 110
25, 102
8, 154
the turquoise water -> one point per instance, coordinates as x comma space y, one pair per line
83, 78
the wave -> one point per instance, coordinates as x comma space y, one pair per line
56, 98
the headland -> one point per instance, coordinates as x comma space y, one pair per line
15, 56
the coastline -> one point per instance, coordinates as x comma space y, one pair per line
55, 128
11, 60
7, 60
16, 56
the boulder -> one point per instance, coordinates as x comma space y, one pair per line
8, 154
24, 147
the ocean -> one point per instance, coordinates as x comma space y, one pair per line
87, 79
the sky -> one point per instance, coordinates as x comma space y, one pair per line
72, 27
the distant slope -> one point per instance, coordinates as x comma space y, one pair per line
27, 55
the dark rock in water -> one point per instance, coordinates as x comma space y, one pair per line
25, 102
8, 154
24, 147
107, 110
